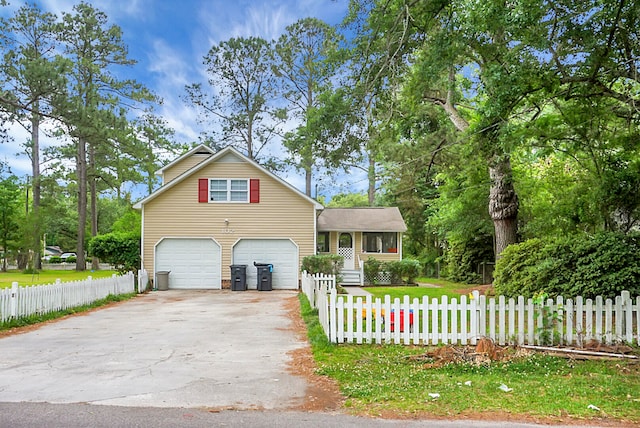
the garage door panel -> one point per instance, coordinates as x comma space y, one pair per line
281, 253
194, 263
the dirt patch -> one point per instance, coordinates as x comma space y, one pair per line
323, 393
486, 290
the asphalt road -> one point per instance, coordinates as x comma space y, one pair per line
28, 415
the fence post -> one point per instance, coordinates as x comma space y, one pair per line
14, 299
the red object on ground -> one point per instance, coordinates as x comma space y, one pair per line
392, 320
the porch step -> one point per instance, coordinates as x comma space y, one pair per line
350, 277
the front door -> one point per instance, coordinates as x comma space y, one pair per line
345, 249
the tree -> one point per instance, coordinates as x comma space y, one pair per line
32, 72
243, 85
9, 217
90, 112
305, 66
153, 138
464, 53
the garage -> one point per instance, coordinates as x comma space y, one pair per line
281, 253
194, 263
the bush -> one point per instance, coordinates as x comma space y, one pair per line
461, 259
328, 264
122, 250
402, 271
55, 259
582, 265
371, 270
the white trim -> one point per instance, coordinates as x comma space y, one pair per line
228, 200
142, 241
213, 158
181, 157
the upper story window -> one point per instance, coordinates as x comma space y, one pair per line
380, 242
228, 190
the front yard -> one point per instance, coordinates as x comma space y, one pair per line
408, 382
48, 276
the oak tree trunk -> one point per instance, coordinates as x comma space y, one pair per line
503, 203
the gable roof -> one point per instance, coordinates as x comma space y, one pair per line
198, 149
369, 219
215, 156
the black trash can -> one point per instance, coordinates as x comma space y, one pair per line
238, 277
264, 276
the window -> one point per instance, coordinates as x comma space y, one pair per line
323, 242
380, 242
228, 190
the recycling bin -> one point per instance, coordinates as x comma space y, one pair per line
238, 277
162, 280
264, 276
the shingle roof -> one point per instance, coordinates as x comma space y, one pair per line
370, 219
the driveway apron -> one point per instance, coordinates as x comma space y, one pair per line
215, 349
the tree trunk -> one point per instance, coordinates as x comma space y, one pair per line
371, 176
93, 190
35, 171
81, 172
503, 203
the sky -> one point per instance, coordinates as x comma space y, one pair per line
168, 39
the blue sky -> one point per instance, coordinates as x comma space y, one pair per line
168, 39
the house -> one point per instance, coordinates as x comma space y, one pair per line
359, 233
218, 209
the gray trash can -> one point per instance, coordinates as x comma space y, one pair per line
238, 277
264, 276
162, 280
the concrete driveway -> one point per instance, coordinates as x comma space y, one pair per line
218, 349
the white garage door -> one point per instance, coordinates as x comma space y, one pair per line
281, 253
194, 263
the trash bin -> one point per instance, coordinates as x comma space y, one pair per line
238, 277
264, 276
162, 280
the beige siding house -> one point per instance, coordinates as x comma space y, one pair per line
216, 210
357, 234
223, 209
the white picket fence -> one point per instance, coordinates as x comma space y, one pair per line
349, 319
17, 302
143, 280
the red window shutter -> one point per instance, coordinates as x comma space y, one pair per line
203, 190
254, 191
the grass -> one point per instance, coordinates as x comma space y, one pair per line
444, 287
48, 276
40, 318
382, 380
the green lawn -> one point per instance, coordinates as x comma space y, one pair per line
385, 380
428, 287
48, 276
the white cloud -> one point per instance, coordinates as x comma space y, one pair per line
172, 71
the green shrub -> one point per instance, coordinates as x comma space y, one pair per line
402, 271
371, 269
122, 250
581, 265
328, 264
461, 259
55, 259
